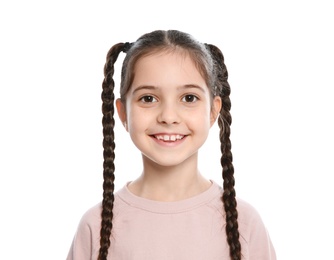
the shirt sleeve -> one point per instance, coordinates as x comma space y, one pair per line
87, 236
254, 233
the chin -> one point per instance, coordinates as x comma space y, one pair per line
171, 162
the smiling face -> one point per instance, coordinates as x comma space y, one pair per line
169, 109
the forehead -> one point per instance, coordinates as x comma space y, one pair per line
173, 68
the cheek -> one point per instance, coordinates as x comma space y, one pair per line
203, 114
136, 121
132, 124
200, 121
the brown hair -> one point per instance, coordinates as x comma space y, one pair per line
209, 61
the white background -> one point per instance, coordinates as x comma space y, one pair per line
280, 61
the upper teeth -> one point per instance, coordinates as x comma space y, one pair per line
169, 137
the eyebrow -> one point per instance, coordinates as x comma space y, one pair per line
187, 86
192, 86
144, 87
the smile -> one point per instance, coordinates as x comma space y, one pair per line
169, 138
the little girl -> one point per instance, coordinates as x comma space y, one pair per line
173, 89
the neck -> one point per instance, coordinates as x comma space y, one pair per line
169, 183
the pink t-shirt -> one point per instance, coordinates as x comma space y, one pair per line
189, 229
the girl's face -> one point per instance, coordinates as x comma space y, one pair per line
168, 110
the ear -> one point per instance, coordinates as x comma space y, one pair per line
215, 110
121, 112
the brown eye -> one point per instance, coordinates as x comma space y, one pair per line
148, 99
189, 98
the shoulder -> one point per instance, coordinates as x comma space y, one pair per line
253, 233
86, 237
246, 211
92, 213
90, 222
249, 218
254, 237
86, 241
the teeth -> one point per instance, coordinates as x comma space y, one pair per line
169, 137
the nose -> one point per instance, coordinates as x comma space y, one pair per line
169, 114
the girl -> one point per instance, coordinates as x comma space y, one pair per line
173, 88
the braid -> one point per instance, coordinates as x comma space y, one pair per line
224, 122
108, 123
